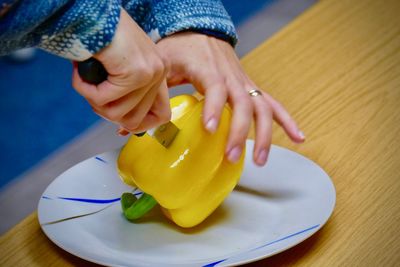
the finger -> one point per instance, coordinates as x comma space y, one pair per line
149, 121
119, 108
211, 83
159, 113
215, 100
98, 95
161, 106
175, 78
240, 123
133, 119
263, 125
283, 118
107, 92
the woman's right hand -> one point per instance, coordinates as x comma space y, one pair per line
135, 94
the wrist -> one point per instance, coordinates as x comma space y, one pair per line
215, 34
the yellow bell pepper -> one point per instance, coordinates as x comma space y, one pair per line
191, 177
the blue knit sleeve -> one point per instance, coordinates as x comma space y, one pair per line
205, 16
73, 29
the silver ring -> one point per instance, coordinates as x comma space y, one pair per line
255, 92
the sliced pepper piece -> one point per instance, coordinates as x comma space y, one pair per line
191, 178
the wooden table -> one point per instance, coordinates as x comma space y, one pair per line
337, 69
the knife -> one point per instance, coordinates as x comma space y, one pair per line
92, 71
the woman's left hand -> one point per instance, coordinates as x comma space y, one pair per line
214, 69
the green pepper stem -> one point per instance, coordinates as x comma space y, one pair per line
134, 208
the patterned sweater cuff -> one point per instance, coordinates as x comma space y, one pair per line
204, 16
82, 31
71, 29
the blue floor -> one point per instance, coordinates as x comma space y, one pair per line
39, 110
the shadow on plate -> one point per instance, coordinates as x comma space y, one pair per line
271, 195
156, 216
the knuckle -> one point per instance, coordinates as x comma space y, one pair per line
146, 74
243, 132
262, 134
131, 124
97, 100
219, 83
238, 94
275, 105
149, 71
268, 108
263, 107
165, 116
159, 69
247, 105
112, 115
242, 128
215, 77
142, 71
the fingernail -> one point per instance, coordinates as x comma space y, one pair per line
301, 135
234, 154
262, 157
211, 125
122, 132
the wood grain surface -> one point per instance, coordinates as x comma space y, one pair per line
337, 69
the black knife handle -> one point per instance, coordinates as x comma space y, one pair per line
92, 71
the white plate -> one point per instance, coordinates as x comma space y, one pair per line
272, 209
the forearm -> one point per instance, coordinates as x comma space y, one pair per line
71, 29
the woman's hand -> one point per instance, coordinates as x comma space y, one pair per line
212, 66
135, 94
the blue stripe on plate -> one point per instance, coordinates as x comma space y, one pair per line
100, 159
289, 236
212, 264
89, 200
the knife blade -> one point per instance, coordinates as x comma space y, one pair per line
92, 71
165, 134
